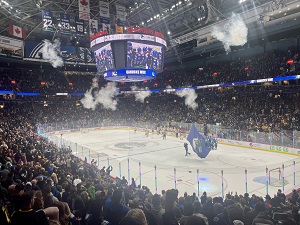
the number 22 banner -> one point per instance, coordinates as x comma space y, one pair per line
47, 18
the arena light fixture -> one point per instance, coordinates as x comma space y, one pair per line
5, 2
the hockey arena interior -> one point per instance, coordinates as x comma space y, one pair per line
149, 112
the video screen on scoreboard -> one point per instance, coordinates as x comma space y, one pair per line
145, 56
104, 59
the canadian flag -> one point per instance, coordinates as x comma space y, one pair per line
17, 31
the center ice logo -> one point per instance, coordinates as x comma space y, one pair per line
197, 144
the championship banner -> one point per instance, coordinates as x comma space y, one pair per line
93, 27
47, 18
84, 9
198, 142
121, 13
104, 9
11, 46
79, 26
65, 23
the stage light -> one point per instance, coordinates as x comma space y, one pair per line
169, 32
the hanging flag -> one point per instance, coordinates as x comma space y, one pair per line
104, 12
84, 9
65, 23
121, 13
79, 26
47, 18
198, 142
17, 31
93, 27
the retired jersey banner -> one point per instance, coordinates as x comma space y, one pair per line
65, 23
121, 13
104, 26
84, 9
104, 9
79, 26
93, 27
48, 23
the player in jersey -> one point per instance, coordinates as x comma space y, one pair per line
164, 136
138, 57
97, 62
108, 60
154, 60
149, 58
102, 60
129, 55
144, 56
159, 56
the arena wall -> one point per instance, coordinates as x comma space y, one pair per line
262, 147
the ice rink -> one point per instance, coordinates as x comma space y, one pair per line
118, 147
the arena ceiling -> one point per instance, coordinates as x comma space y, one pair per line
171, 17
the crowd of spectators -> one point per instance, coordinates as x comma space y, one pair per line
44, 184
249, 111
271, 64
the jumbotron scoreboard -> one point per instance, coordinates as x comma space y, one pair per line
133, 56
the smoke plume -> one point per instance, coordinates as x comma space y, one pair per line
190, 97
233, 33
51, 52
141, 95
105, 97
88, 100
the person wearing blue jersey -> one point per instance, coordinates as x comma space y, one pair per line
149, 58
138, 57
129, 55
144, 56
108, 60
154, 60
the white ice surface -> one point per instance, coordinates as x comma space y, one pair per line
115, 147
